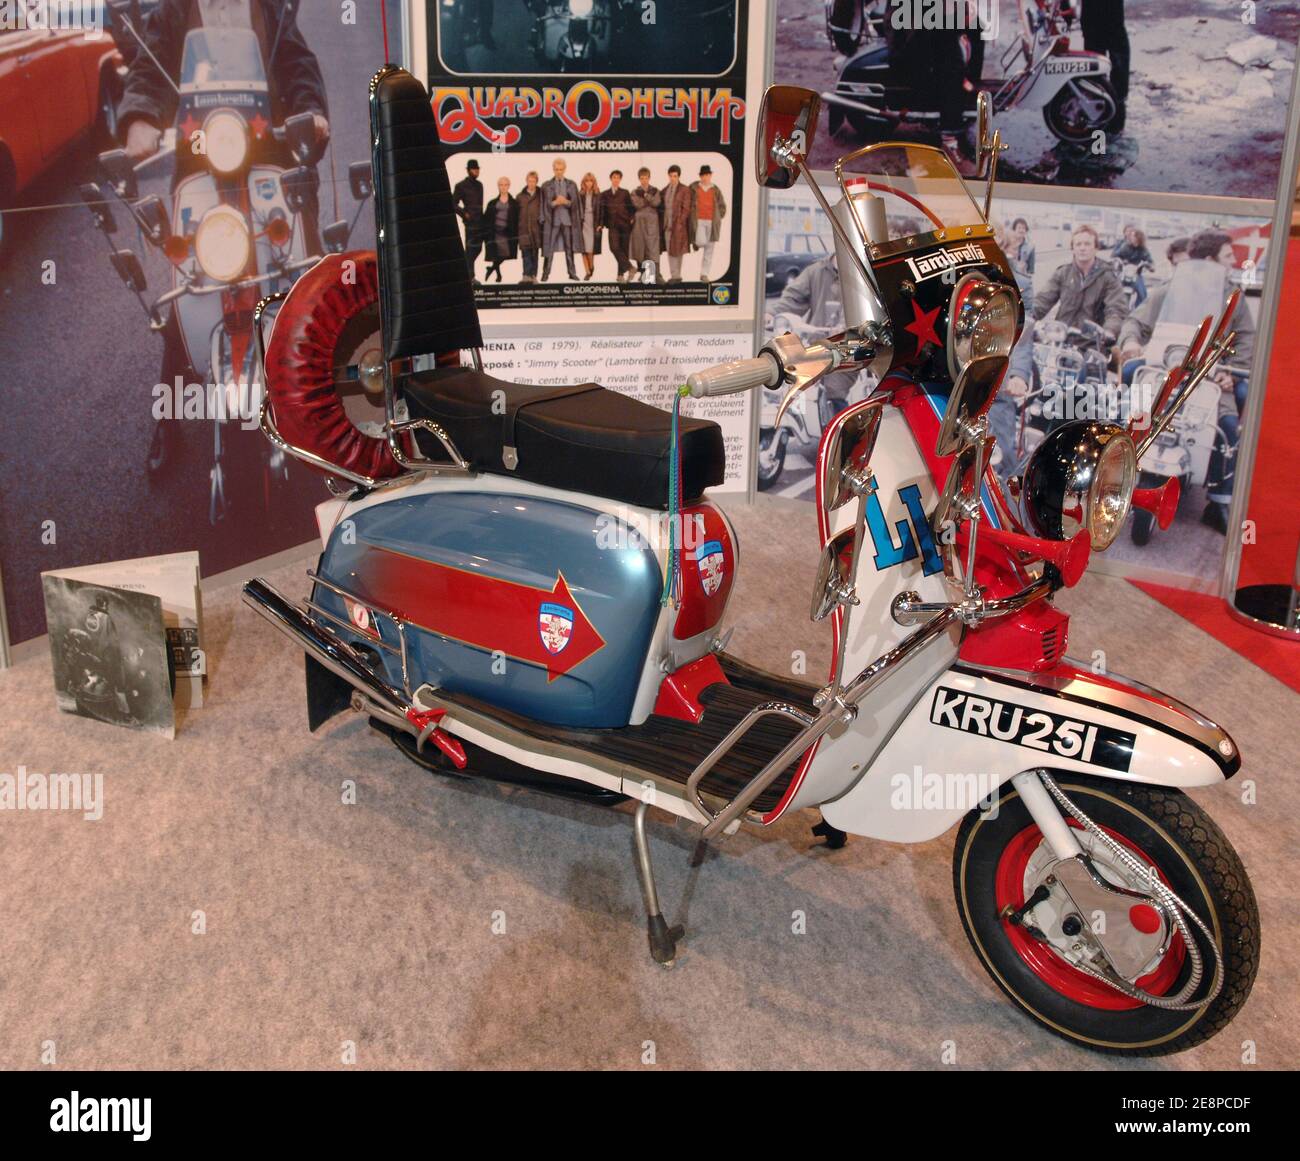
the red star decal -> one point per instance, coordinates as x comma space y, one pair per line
922, 326
258, 125
188, 126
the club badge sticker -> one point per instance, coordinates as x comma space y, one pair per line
555, 623
596, 155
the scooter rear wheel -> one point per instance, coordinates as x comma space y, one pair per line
1168, 830
1082, 108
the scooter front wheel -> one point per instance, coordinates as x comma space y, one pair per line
771, 459
1001, 854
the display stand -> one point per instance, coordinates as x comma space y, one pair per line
1269, 598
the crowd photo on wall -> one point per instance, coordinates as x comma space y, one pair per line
1112, 297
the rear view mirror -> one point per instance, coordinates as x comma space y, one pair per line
787, 122
848, 458
834, 586
129, 270
151, 213
119, 172
361, 180
298, 186
335, 237
300, 136
97, 203
971, 396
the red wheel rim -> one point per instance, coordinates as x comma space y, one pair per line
1049, 965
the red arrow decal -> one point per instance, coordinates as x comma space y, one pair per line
544, 627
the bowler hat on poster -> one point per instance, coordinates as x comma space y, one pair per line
472, 163
705, 169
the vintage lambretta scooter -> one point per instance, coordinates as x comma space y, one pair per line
497, 592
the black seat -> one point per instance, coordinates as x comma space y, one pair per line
582, 438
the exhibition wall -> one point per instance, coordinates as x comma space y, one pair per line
112, 446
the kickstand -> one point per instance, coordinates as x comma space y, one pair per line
663, 939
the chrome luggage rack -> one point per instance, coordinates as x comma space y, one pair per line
455, 464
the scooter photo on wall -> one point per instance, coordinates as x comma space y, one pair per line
502, 608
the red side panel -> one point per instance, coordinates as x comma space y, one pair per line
679, 695
708, 568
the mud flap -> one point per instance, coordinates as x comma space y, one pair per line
327, 694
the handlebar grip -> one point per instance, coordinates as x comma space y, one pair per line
738, 375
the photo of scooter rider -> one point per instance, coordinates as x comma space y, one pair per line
1087, 352
229, 97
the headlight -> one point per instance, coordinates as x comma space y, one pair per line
982, 321
1081, 476
225, 137
222, 245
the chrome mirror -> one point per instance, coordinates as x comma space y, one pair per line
971, 397
834, 585
787, 122
848, 458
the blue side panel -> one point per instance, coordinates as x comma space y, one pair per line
614, 579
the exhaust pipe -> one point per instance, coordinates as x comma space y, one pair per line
335, 655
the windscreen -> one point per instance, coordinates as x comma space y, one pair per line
920, 189
221, 56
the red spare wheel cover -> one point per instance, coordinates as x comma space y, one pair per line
300, 363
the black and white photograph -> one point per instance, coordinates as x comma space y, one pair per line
109, 654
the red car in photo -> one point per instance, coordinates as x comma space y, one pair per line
57, 88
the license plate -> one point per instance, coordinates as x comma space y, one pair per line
1035, 729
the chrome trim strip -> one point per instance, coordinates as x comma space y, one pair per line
1167, 714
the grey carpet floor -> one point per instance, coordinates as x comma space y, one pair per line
448, 924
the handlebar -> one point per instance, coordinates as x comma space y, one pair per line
738, 375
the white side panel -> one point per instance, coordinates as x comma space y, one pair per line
897, 465
929, 775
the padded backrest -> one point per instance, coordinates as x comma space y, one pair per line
427, 294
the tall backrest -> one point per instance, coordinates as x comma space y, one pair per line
426, 299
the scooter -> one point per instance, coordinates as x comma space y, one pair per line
503, 608
1130, 276
1071, 87
242, 220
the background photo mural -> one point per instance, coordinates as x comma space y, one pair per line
1120, 94
128, 380
1153, 275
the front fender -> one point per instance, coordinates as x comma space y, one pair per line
976, 727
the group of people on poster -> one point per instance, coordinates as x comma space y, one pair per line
650, 228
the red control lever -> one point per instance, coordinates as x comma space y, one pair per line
1161, 502
1069, 556
426, 721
